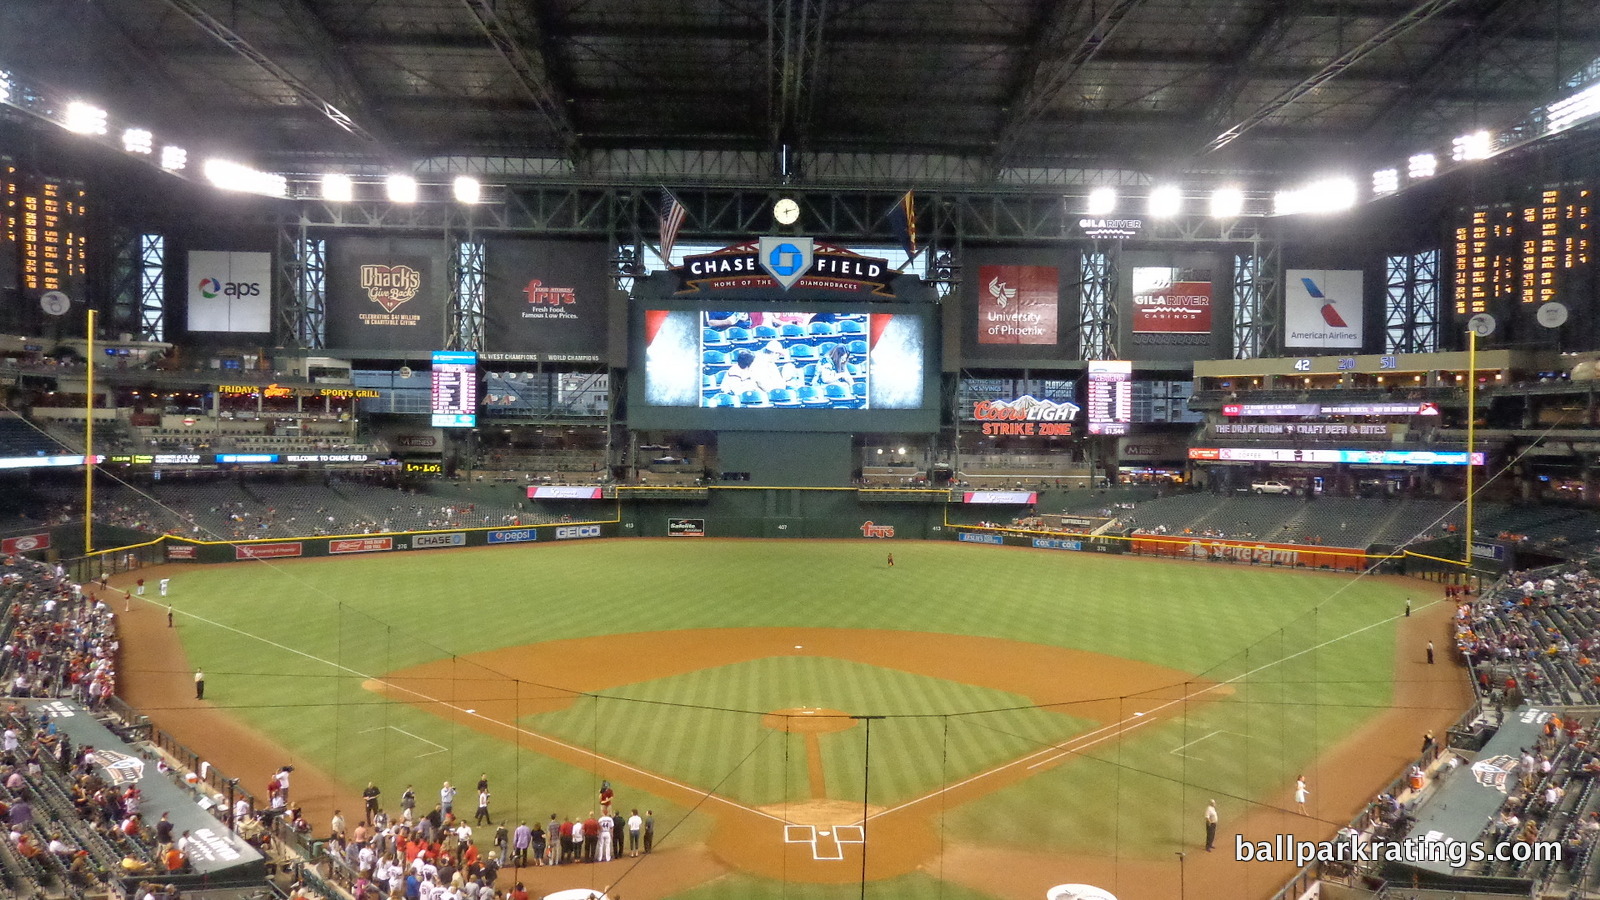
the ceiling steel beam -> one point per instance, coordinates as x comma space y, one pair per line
518, 39
794, 59
1264, 37
305, 92
328, 52
1421, 13
1073, 34
1433, 81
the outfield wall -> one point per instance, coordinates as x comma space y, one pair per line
752, 512
797, 513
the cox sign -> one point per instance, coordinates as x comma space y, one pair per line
569, 532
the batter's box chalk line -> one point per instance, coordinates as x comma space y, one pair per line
441, 748
827, 844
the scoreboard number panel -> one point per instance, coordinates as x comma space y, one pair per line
1523, 254
43, 233
455, 389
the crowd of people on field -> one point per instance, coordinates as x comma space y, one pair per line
437, 855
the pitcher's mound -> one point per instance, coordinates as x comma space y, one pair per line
808, 720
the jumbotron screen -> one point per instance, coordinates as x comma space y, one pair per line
786, 366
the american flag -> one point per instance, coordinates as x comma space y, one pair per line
672, 216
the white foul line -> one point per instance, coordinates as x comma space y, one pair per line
418, 737
1193, 742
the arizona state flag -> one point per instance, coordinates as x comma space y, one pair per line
903, 220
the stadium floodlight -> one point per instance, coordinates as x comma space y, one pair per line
1102, 201
83, 118
232, 176
1227, 203
467, 189
1385, 181
138, 140
337, 188
1166, 201
1327, 195
1477, 145
5, 86
174, 159
401, 188
1564, 113
1422, 165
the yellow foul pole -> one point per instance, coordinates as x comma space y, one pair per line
88, 446
1472, 421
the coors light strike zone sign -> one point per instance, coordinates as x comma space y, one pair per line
390, 287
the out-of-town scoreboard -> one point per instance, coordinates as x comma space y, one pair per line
1522, 254
44, 223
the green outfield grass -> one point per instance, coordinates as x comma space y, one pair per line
360, 617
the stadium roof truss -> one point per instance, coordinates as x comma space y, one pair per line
930, 93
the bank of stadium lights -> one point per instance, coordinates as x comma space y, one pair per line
138, 140
1422, 165
1385, 181
1165, 201
232, 176
5, 86
1468, 147
338, 188
174, 159
1227, 203
401, 188
1327, 195
84, 118
1102, 201
1569, 111
467, 189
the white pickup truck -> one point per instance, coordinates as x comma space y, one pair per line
1270, 487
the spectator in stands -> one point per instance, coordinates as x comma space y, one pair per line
834, 367
740, 376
